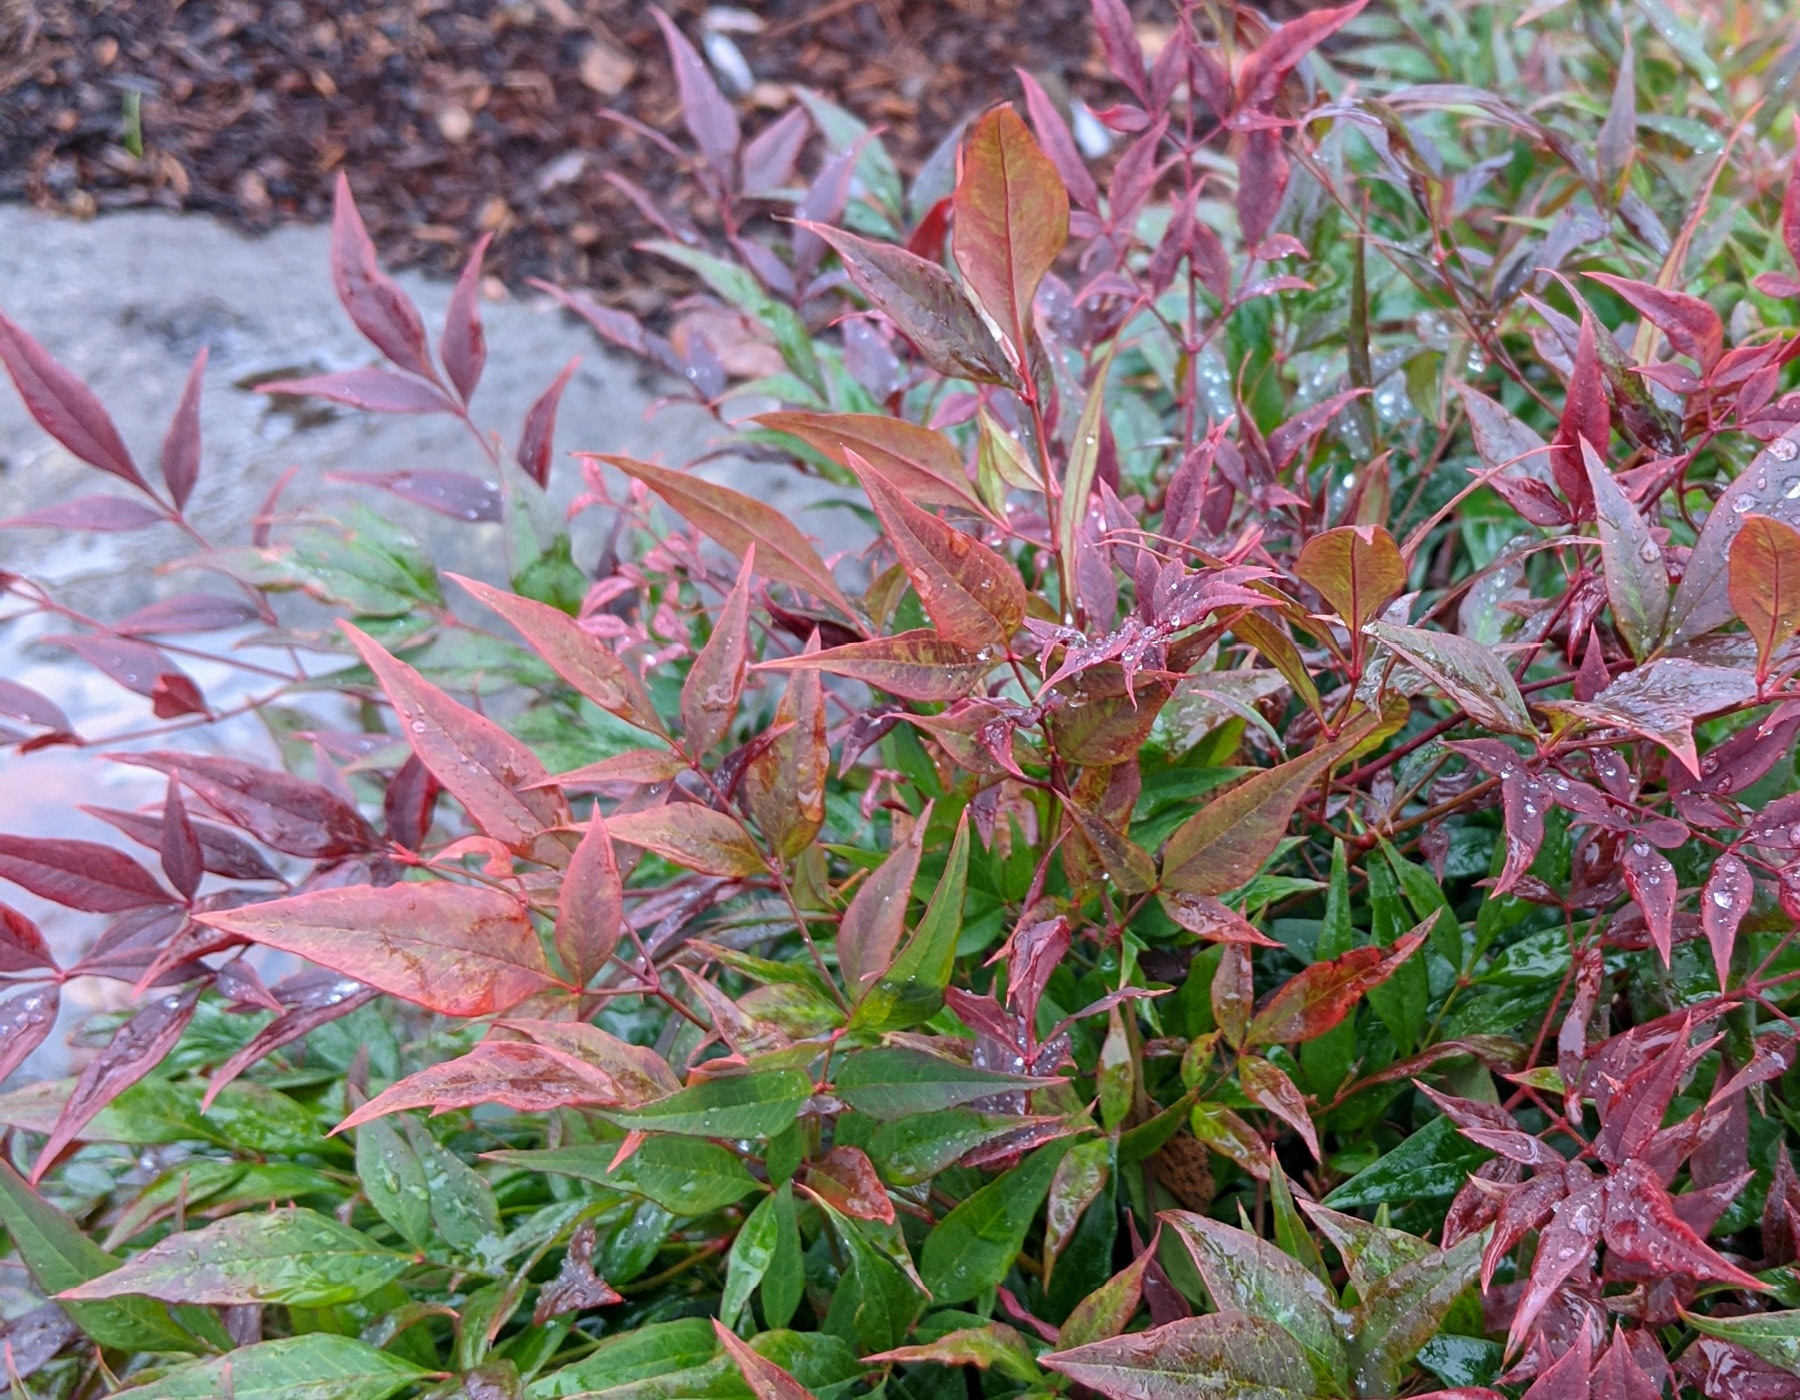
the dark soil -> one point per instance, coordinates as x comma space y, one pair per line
457, 116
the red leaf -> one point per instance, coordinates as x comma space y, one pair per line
25, 1021
709, 695
1585, 415
182, 859
79, 874
591, 907
1269, 1086
1790, 205
479, 763
1642, 1227
278, 809
63, 406
1693, 327
136, 1048
1764, 584
463, 347
137, 666
709, 118
847, 1179
1632, 1113
1651, 880
871, 928
692, 836
918, 665
920, 462
377, 390
639, 766
312, 999
1723, 903
522, 1076
1053, 135
1358, 570
537, 437
381, 311
1119, 43
1266, 68
1318, 998
576, 1287
22, 702
974, 596
223, 852
1565, 1245
408, 804
455, 494
767, 1381
784, 780
22, 946
109, 514
638, 1073
1012, 220
737, 521
574, 653
181, 444
1262, 165
769, 156
1524, 800
188, 612
1568, 1377
458, 949
174, 695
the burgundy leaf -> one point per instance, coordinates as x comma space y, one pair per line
78, 874
313, 999
377, 390
22, 702
769, 156
182, 859
63, 406
537, 437
709, 118
381, 311
188, 612
408, 804
455, 494
1693, 327
1630, 1116
25, 1021
576, 1287
463, 347
135, 1049
181, 444
1565, 1245
22, 945
1493, 1127
1262, 164
224, 852
1265, 70
1585, 415
1119, 43
1643, 1228
1723, 903
278, 809
1651, 880
109, 514
1568, 1377
1053, 135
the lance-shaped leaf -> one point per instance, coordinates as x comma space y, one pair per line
926, 306
574, 653
1692, 326
1231, 1355
22, 945
375, 390
463, 346
684, 1175
278, 809
63, 406
917, 665
1774, 1336
737, 522
1769, 486
974, 1246
1724, 902
709, 118
1472, 675
871, 927
1357, 569
1080, 1177
732, 1106
522, 1076
709, 695
479, 763
784, 781
1642, 1226
1403, 1310
1269, 1085
974, 596
1662, 700
897, 1083
1227, 841
1108, 1310
1323, 994
766, 1380
1637, 581
181, 443
79, 874
381, 311
637, 1072
1083, 466
537, 435
25, 1022
921, 463
590, 910
1764, 584
911, 988
1243, 1273
1653, 884
293, 1256
314, 1366
692, 836
459, 949
994, 1347
1012, 220
1586, 417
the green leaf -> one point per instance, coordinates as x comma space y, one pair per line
739, 286
913, 1149
1637, 581
393, 1179
1402, 999
317, 1366
1433, 1163
1403, 1310
687, 1176
973, 1248
785, 1281
912, 988
1222, 1356
737, 1106
462, 1205
294, 1256
1775, 1337
1245, 1274
1370, 1252
875, 1306
1327, 1058
59, 1257
897, 1083
994, 1346
656, 1349
750, 1256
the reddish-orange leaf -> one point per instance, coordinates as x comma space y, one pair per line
462, 950
920, 462
871, 927
1318, 998
1012, 220
846, 1177
575, 654
709, 696
920, 665
693, 836
632, 766
974, 596
636, 1072
784, 780
591, 909
1356, 568
522, 1076
1214, 920
479, 763
766, 1380
1269, 1086
737, 522
1765, 584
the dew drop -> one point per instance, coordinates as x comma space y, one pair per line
1648, 552
1638, 848
1741, 505
418, 726
1784, 449
1721, 898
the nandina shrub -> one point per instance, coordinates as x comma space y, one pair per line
1271, 872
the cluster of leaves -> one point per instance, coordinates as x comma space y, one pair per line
1267, 868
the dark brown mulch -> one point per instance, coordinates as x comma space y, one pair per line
458, 116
